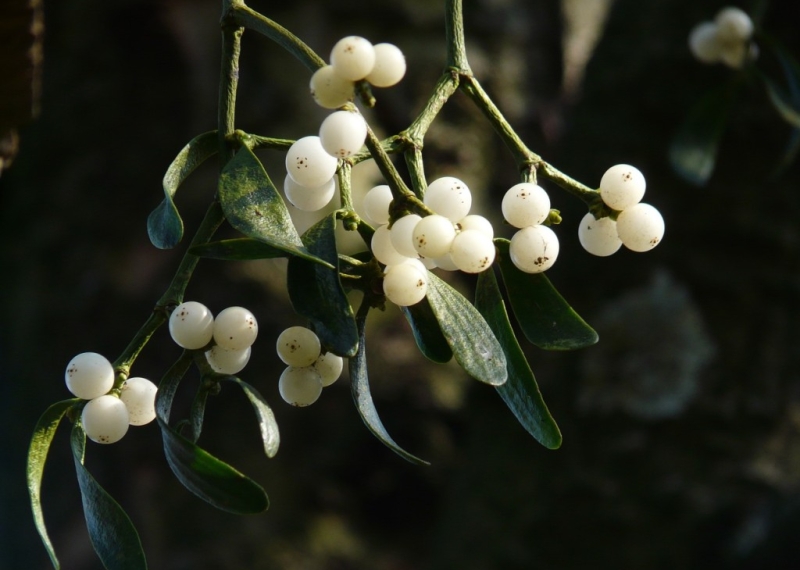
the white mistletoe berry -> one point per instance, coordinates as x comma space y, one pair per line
599, 237
640, 227
534, 249
139, 396
622, 186
433, 235
472, 251
342, 133
376, 204
300, 386
298, 346
308, 199
329, 366
353, 58
330, 90
449, 197
105, 419
308, 164
235, 328
401, 234
89, 375
228, 360
405, 284
389, 67
525, 204
191, 325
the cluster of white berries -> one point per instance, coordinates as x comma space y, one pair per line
726, 39
352, 59
308, 370
450, 239
106, 416
534, 248
311, 162
638, 226
234, 330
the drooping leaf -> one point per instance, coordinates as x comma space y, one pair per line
427, 332
253, 206
111, 531
37, 457
520, 393
317, 293
693, 151
473, 343
359, 383
791, 72
266, 419
164, 225
782, 101
212, 480
239, 249
545, 317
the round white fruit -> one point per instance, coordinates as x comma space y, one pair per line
300, 386
235, 328
191, 325
389, 67
342, 133
640, 227
534, 249
105, 419
402, 232
308, 199
433, 235
472, 251
330, 90
476, 222
704, 43
353, 58
139, 396
228, 360
622, 186
733, 24
405, 284
329, 366
382, 247
89, 375
525, 204
377, 202
298, 346
308, 164
599, 237
449, 197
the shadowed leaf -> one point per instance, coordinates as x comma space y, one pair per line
520, 392
359, 383
112, 533
427, 332
164, 225
37, 457
266, 419
545, 317
239, 249
693, 151
317, 293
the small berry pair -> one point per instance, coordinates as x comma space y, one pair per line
534, 248
308, 370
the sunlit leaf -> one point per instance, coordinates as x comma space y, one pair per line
212, 480
164, 225
427, 332
359, 383
520, 393
317, 293
473, 344
693, 151
239, 249
37, 457
253, 206
545, 317
266, 419
111, 531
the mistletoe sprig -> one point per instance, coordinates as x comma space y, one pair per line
412, 230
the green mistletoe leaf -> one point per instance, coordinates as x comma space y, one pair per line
520, 393
545, 317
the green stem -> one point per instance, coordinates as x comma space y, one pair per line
416, 170
454, 34
229, 82
252, 20
444, 89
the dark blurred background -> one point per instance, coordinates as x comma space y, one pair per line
681, 427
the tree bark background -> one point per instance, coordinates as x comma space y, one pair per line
681, 427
